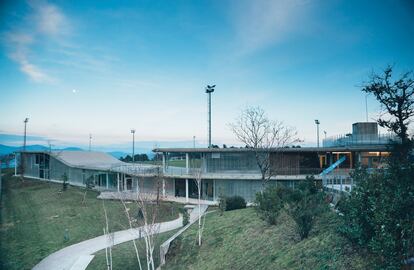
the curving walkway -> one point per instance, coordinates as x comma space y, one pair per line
78, 256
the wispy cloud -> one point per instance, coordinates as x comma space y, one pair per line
261, 23
44, 21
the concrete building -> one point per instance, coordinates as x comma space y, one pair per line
224, 171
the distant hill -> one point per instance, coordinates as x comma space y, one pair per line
117, 154
5, 149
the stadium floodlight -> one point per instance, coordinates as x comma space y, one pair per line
209, 89
317, 130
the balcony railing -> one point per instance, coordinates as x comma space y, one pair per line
355, 140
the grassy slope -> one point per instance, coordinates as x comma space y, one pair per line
34, 216
240, 240
124, 256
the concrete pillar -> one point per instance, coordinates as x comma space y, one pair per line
163, 187
163, 162
117, 180
186, 190
137, 185
187, 162
107, 181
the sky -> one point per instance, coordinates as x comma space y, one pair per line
76, 68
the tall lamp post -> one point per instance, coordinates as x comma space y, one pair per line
317, 130
133, 145
194, 137
209, 90
90, 142
25, 126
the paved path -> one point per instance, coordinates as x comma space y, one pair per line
78, 256
128, 195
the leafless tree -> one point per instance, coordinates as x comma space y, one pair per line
110, 239
263, 136
197, 179
144, 223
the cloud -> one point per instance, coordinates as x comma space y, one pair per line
264, 22
48, 22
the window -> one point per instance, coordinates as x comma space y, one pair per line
37, 159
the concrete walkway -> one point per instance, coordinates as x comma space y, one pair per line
78, 256
129, 195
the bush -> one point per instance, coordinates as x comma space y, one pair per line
304, 204
378, 214
270, 202
222, 205
186, 216
65, 182
234, 202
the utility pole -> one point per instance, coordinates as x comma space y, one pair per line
133, 145
317, 130
209, 90
90, 142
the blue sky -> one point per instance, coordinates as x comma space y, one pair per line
104, 67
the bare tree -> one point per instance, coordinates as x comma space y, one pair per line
264, 136
197, 179
397, 99
110, 239
144, 223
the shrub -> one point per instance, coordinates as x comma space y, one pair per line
222, 204
304, 204
65, 181
270, 202
186, 216
234, 202
378, 214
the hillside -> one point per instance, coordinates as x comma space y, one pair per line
240, 240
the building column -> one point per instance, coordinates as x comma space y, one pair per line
186, 190
137, 185
107, 181
117, 180
163, 187
163, 162
187, 162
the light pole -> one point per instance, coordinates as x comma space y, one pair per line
133, 145
25, 126
324, 133
209, 90
366, 107
317, 130
90, 142
194, 141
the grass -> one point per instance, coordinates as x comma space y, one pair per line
124, 256
240, 240
34, 216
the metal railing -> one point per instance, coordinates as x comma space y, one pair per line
352, 140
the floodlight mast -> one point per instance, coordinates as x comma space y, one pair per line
317, 130
133, 145
209, 90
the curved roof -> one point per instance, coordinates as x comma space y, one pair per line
84, 159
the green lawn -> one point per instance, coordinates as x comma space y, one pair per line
240, 240
34, 216
124, 256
